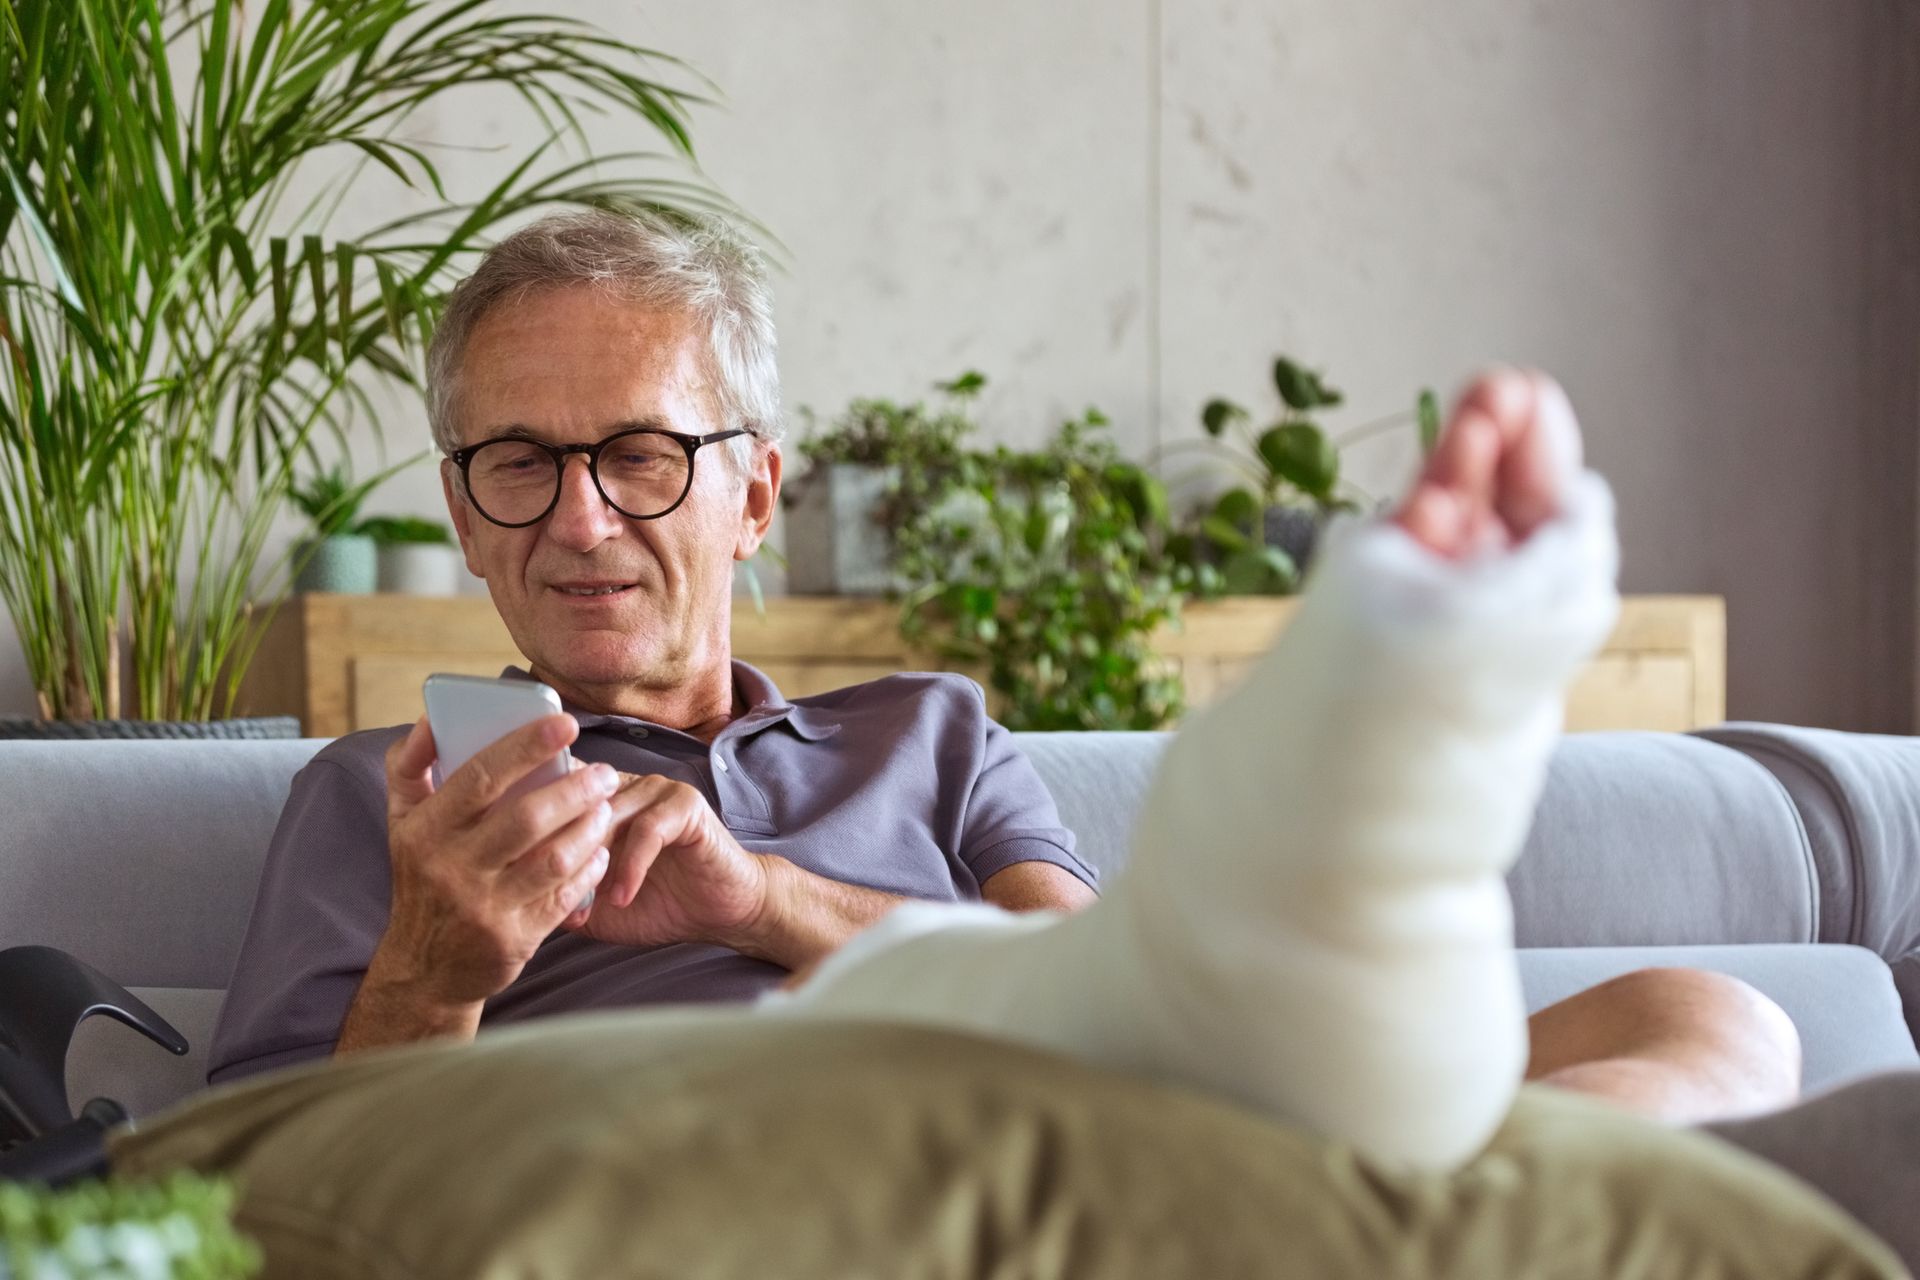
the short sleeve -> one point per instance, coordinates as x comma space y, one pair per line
1011, 817
323, 903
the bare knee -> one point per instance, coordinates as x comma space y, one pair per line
1692, 1043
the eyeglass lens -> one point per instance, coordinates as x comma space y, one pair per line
515, 481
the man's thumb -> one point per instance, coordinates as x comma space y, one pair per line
410, 768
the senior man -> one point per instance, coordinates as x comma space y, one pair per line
604, 389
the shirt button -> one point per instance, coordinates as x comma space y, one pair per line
636, 732
720, 764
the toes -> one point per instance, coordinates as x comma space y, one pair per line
1500, 469
1436, 518
1540, 463
1509, 397
1450, 509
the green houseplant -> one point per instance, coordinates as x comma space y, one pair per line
179, 1228
1257, 537
336, 555
880, 462
177, 327
417, 557
1046, 567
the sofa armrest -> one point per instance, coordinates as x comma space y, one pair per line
1858, 797
45, 994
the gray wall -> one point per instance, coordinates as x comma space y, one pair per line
1702, 216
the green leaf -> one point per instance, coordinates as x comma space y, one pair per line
1301, 387
1428, 413
1224, 534
1238, 507
1259, 571
967, 384
395, 530
1218, 413
1301, 454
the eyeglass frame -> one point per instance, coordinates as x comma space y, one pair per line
463, 458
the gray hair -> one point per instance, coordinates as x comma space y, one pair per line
704, 268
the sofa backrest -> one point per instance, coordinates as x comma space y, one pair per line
141, 857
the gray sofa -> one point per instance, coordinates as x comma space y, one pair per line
1788, 857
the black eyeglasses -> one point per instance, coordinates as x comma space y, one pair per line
643, 474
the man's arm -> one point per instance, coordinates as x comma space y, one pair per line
478, 881
807, 917
1037, 886
391, 1008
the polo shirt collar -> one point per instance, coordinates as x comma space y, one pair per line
766, 707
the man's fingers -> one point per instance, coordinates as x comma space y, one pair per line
410, 769
510, 829
485, 778
585, 884
641, 844
550, 865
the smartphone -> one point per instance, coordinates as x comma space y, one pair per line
469, 713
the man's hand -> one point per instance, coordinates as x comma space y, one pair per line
677, 875
479, 881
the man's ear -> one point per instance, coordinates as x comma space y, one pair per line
461, 513
763, 492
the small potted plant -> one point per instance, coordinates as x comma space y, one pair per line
1258, 538
877, 462
417, 557
334, 557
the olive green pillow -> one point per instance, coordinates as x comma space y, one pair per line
694, 1145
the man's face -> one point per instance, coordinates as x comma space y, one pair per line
572, 366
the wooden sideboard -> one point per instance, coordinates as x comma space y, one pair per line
343, 662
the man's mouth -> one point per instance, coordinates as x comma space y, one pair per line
587, 590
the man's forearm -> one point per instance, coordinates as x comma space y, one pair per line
388, 1011
808, 917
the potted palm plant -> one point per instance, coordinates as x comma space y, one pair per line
176, 329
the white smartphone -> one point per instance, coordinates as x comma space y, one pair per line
469, 713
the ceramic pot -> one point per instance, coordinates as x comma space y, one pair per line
834, 547
420, 568
346, 563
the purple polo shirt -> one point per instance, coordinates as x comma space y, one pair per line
903, 784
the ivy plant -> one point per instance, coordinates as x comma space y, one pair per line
1290, 462
1046, 566
177, 1228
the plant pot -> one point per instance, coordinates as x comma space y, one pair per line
102, 730
1296, 531
834, 546
347, 563
420, 568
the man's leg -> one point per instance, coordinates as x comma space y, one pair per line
1314, 920
1682, 1046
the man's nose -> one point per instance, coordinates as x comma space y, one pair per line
581, 519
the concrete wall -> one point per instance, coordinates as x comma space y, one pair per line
1702, 216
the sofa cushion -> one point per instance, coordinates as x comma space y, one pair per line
1640, 839
1659, 839
141, 858
697, 1144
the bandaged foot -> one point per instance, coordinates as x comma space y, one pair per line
1314, 920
